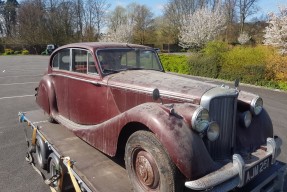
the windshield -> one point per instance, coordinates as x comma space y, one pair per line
116, 60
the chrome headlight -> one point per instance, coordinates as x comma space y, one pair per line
245, 119
200, 120
256, 105
213, 131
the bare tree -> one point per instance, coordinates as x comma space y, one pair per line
95, 18
32, 29
246, 8
144, 23
117, 18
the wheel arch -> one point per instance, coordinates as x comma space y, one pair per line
46, 96
185, 148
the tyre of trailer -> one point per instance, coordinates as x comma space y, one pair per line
55, 168
149, 166
42, 152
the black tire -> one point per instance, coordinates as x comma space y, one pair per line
55, 168
42, 152
148, 165
52, 120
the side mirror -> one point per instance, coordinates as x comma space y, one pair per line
156, 95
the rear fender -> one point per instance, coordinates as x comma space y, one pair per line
46, 97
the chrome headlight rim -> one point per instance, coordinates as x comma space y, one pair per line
200, 120
213, 131
256, 105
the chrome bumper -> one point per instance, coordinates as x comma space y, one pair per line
234, 172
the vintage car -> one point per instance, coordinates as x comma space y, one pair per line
173, 132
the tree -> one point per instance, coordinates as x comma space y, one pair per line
276, 31
243, 38
117, 18
246, 8
123, 34
201, 26
95, 16
10, 17
143, 24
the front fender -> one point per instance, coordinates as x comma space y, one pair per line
185, 147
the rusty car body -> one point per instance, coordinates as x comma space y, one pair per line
195, 134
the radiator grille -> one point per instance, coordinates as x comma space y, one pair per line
222, 110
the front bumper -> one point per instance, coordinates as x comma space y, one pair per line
234, 174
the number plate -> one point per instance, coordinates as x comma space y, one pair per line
258, 168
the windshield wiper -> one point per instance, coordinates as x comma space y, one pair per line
111, 71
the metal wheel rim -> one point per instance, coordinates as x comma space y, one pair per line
145, 170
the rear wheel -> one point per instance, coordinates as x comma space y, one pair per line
42, 152
148, 165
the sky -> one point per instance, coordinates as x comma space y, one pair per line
156, 6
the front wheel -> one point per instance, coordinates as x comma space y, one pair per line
148, 165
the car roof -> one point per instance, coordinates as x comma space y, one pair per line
99, 45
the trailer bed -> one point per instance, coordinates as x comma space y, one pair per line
98, 171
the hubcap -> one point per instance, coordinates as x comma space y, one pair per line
146, 170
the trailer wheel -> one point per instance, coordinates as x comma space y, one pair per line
55, 168
148, 165
42, 152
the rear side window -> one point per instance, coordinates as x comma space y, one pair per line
62, 60
76, 60
83, 61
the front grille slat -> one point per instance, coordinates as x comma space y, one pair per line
222, 110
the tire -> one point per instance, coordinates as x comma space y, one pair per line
148, 165
55, 167
52, 120
42, 152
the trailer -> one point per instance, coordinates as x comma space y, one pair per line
74, 165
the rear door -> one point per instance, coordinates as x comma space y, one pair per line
87, 93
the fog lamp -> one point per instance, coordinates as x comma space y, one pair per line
213, 131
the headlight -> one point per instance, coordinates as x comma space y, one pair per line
256, 105
213, 131
245, 119
200, 120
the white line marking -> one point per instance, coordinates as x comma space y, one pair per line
22, 76
20, 96
19, 83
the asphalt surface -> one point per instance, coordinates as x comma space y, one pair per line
19, 75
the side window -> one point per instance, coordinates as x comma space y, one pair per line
92, 67
62, 60
79, 61
83, 61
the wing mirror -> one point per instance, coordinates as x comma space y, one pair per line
156, 95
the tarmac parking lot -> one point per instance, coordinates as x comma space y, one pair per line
19, 75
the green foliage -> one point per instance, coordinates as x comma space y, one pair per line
260, 65
206, 66
246, 63
17, 52
8, 51
209, 62
25, 52
175, 63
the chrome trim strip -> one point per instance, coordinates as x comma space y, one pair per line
146, 91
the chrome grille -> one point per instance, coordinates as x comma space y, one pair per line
222, 110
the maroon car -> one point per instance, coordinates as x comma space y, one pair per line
174, 132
